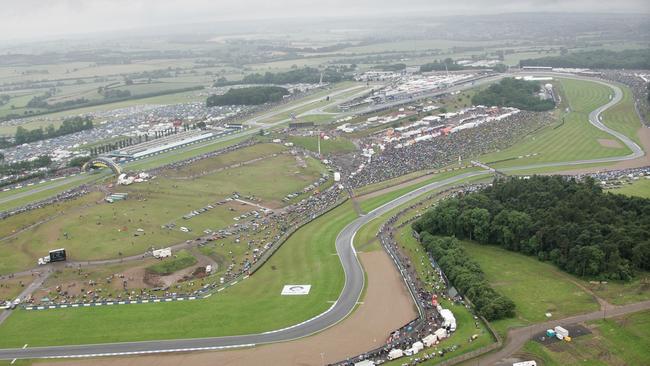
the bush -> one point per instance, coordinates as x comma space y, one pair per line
248, 96
181, 260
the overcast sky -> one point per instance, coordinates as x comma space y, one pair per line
21, 19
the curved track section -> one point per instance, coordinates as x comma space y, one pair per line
354, 277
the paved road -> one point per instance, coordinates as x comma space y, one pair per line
354, 281
42, 276
42, 188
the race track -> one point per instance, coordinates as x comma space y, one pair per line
354, 276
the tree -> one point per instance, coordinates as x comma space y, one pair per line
575, 225
500, 68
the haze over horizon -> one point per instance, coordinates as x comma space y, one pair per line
59, 18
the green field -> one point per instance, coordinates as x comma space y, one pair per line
621, 293
622, 117
132, 226
139, 165
640, 188
255, 305
49, 189
576, 139
333, 145
181, 154
366, 238
514, 275
617, 341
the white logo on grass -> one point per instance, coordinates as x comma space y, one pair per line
296, 289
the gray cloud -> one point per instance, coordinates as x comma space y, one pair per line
45, 18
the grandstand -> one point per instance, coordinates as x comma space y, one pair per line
165, 143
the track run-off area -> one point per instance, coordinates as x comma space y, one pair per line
353, 271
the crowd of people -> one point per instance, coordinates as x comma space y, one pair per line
443, 150
63, 196
262, 231
427, 289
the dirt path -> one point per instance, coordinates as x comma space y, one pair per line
386, 306
604, 304
519, 336
37, 283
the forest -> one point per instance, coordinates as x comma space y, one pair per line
510, 92
466, 275
573, 224
598, 59
248, 96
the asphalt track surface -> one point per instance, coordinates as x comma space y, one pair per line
354, 276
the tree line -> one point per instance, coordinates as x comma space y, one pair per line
510, 92
69, 125
305, 75
25, 165
597, 59
248, 96
442, 65
129, 141
574, 225
391, 67
466, 275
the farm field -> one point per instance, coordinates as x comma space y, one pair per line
56, 118
515, 274
305, 258
18, 105
617, 341
575, 139
132, 226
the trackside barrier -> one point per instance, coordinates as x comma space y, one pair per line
265, 257
420, 321
206, 292
110, 303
